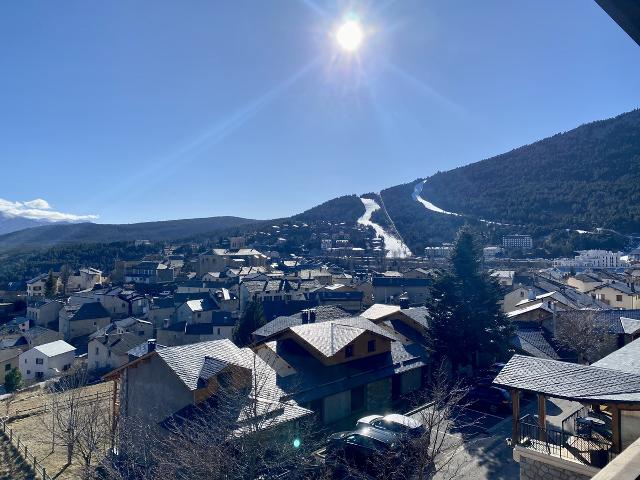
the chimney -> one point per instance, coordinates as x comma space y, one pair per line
312, 315
151, 345
305, 316
531, 294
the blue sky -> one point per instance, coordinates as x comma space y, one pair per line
152, 110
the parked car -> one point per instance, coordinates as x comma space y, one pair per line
395, 423
493, 399
365, 449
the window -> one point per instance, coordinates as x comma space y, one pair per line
348, 351
218, 331
7, 367
371, 346
618, 298
25, 360
28, 372
39, 361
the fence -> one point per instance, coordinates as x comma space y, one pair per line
22, 449
42, 408
563, 444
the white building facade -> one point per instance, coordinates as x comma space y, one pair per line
46, 361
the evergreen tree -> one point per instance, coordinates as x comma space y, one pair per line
252, 319
12, 380
467, 325
50, 285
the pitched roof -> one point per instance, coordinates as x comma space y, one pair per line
534, 342
418, 315
142, 349
610, 320
119, 343
378, 311
618, 286
88, 311
529, 308
330, 337
569, 380
630, 325
55, 348
625, 359
201, 304
187, 360
323, 313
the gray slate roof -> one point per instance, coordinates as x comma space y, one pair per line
323, 314
611, 320
88, 311
625, 359
187, 361
533, 342
569, 380
330, 337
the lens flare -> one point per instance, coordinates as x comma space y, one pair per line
350, 35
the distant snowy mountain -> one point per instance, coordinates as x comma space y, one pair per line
13, 224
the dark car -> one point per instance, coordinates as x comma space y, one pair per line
488, 397
367, 449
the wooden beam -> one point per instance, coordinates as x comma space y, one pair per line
542, 417
515, 421
616, 441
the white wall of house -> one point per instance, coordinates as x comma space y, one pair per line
34, 365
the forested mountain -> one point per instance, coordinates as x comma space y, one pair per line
342, 209
94, 232
583, 179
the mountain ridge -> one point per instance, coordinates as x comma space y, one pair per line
582, 179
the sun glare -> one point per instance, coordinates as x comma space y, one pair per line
350, 35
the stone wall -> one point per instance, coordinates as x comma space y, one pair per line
531, 469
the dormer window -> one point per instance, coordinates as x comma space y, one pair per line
348, 351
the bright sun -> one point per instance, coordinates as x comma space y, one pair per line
350, 35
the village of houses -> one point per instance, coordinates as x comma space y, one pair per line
345, 336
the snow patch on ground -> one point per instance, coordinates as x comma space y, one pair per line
417, 191
395, 247
417, 196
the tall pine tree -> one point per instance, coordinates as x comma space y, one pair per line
50, 285
467, 325
252, 319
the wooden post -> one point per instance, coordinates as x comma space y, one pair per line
615, 429
515, 425
115, 413
542, 417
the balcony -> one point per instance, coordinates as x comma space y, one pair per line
591, 449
